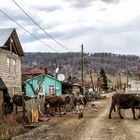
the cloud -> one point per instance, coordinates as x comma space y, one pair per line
111, 1
79, 3
101, 25
48, 8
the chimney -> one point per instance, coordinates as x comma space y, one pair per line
46, 71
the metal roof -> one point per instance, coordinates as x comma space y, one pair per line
54, 78
4, 35
2, 85
34, 72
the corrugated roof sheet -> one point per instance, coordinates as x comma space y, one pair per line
34, 72
54, 78
2, 85
4, 35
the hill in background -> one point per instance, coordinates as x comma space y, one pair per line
70, 63
114, 65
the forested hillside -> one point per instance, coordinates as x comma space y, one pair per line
70, 63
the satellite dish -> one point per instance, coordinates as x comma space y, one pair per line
61, 77
57, 69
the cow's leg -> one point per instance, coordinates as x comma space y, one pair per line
81, 107
111, 108
60, 111
114, 109
133, 111
65, 110
119, 112
16, 110
48, 110
139, 114
52, 111
78, 110
80, 113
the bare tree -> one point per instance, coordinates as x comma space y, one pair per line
40, 81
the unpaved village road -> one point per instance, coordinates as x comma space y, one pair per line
102, 128
94, 126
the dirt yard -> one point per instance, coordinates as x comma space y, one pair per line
95, 125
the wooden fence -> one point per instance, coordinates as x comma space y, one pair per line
34, 104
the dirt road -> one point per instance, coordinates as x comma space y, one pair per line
102, 128
94, 126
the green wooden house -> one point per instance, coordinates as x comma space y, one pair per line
43, 84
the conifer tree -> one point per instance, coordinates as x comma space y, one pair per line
103, 78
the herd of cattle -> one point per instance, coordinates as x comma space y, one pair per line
54, 103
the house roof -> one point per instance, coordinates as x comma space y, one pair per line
5, 34
34, 72
42, 75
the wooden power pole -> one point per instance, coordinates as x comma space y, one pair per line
91, 80
127, 77
82, 63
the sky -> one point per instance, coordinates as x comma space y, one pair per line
111, 26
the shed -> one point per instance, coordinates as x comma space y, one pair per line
43, 84
4, 96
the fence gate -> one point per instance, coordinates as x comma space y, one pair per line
1, 102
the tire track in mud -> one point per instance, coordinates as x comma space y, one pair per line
102, 128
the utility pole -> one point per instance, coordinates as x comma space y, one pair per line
127, 77
120, 81
82, 63
91, 79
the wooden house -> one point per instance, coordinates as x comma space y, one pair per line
10, 60
43, 85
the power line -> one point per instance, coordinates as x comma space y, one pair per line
39, 25
27, 31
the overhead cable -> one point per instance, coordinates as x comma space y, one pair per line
28, 31
39, 25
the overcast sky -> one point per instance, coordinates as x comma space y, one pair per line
100, 25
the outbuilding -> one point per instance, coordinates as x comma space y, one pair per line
4, 98
43, 85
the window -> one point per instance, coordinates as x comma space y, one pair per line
8, 65
11, 66
14, 90
51, 89
14, 66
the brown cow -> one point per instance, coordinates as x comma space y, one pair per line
125, 101
56, 102
18, 101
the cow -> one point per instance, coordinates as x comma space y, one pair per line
18, 100
55, 101
125, 101
80, 102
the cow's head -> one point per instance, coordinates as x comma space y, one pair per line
138, 100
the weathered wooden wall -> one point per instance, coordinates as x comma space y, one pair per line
12, 81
